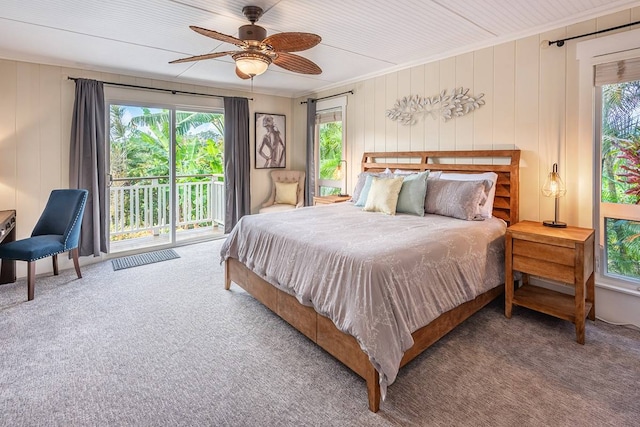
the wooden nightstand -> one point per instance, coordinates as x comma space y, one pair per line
565, 255
327, 200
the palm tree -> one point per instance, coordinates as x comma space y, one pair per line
620, 128
140, 146
119, 132
330, 135
196, 152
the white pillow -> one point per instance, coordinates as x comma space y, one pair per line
486, 205
402, 172
405, 172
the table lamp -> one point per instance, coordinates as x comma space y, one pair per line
341, 174
554, 187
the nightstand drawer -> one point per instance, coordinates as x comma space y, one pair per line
544, 268
559, 254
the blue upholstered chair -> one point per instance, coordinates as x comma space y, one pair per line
57, 231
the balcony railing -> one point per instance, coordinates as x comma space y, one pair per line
142, 204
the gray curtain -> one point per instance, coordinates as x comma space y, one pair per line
87, 163
310, 183
237, 165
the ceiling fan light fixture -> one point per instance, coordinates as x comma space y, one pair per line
252, 63
258, 51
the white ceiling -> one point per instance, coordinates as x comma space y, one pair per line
359, 38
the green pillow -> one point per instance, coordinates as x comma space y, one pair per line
412, 194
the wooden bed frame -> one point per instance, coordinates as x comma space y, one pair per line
344, 347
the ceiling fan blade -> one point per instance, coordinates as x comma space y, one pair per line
242, 75
296, 63
219, 36
292, 42
201, 57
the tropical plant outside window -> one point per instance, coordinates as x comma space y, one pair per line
330, 155
140, 156
620, 179
330, 152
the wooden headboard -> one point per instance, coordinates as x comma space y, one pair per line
506, 202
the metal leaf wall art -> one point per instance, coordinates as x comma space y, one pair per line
408, 109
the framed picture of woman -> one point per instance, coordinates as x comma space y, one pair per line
271, 142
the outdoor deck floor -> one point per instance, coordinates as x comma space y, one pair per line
182, 237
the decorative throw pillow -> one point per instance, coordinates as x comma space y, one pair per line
383, 195
286, 193
360, 183
434, 175
457, 199
412, 194
485, 207
362, 198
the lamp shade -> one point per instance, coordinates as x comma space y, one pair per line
338, 173
341, 172
252, 63
553, 185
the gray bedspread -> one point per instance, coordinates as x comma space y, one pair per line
377, 277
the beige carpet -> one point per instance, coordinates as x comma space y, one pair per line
165, 345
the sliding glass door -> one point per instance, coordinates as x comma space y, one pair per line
166, 176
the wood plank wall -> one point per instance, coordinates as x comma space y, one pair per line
531, 99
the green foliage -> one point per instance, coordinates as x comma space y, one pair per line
621, 173
140, 141
330, 135
620, 143
623, 250
197, 151
329, 191
629, 172
118, 133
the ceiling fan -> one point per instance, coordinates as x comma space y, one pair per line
259, 51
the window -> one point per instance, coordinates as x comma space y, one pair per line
618, 100
331, 174
166, 175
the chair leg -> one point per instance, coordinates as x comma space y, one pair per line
54, 259
31, 279
76, 263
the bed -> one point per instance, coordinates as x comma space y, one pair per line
366, 302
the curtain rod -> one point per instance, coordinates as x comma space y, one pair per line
560, 42
173, 91
330, 96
